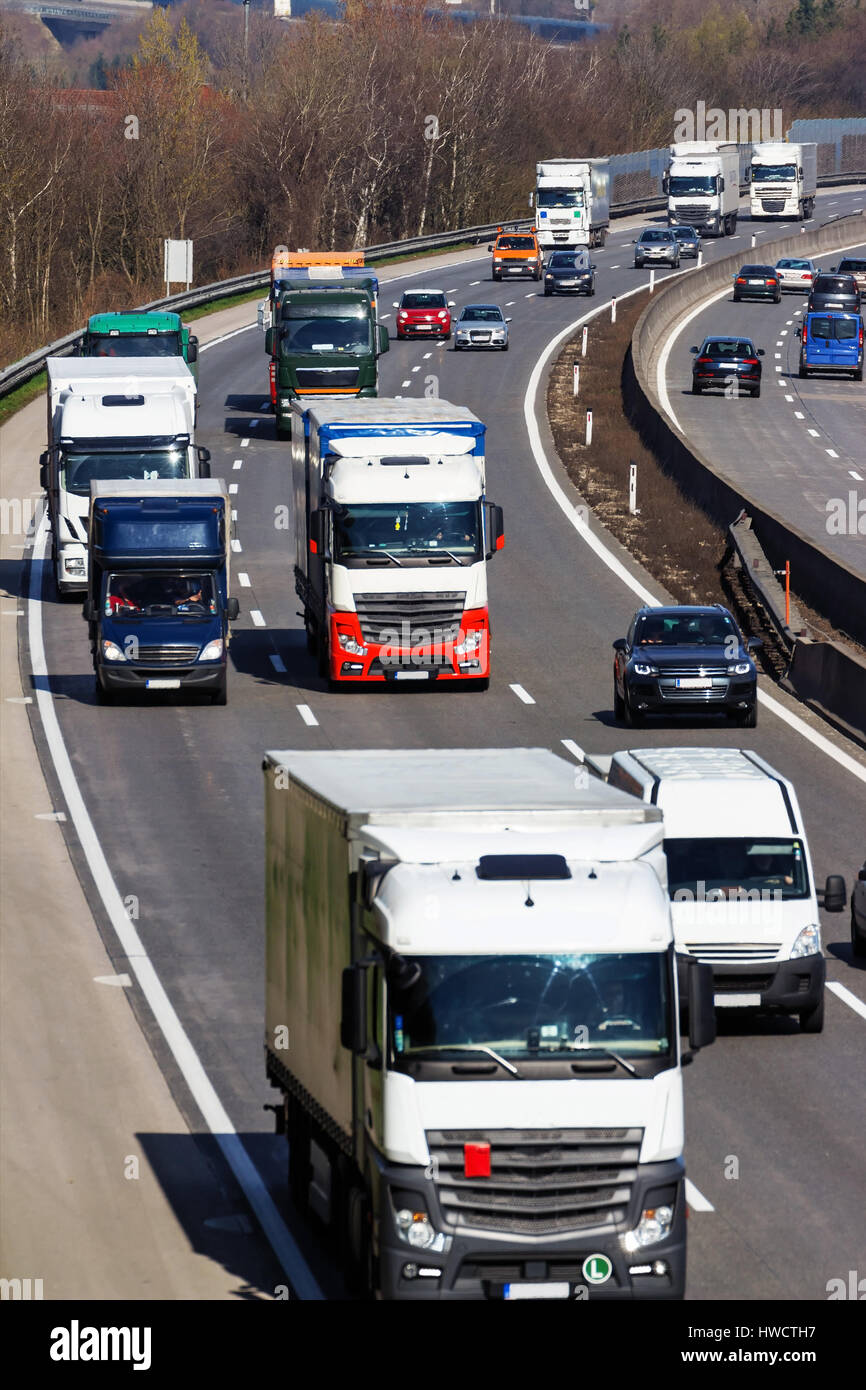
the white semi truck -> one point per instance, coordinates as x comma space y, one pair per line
783, 180
472, 1021
572, 202
108, 419
703, 186
393, 535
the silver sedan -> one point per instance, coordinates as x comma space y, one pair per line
796, 273
481, 326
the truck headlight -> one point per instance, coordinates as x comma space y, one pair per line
808, 943
74, 565
112, 652
742, 668
654, 1225
350, 644
213, 651
417, 1230
644, 668
471, 642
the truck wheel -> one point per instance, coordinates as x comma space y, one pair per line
299, 1155
813, 1020
323, 656
282, 432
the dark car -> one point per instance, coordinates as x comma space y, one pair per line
727, 362
858, 914
687, 658
658, 246
690, 242
834, 292
856, 266
424, 313
569, 272
757, 282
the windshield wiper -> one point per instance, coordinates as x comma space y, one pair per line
627, 1066
387, 554
432, 559
466, 1047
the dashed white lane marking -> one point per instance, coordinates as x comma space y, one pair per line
798, 414
832, 453
522, 694
233, 487
847, 998
777, 354
789, 322
257, 617
236, 546
615, 267
244, 443
854, 474
696, 1200
814, 433
384, 316
789, 398
531, 295
777, 369
405, 383
472, 283
244, 580
453, 289
238, 463
234, 514
307, 715
417, 369
277, 662
509, 302
574, 748
426, 355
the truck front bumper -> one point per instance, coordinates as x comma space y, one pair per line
371, 661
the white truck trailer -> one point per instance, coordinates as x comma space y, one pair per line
783, 180
472, 1019
572, 202
703, 186
111, 418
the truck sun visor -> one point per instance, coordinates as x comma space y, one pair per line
522, 866
123, 400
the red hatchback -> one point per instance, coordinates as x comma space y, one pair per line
424, 313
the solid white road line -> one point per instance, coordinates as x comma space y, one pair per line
574, 749
847, 998
307, 715
200, 1086
522, 694
257, 617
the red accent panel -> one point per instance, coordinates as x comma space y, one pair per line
476, 1160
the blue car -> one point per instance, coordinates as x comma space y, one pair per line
831, 342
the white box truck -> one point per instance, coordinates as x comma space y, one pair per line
393, 534
572, 202
703, 186
783, 180
472, 1019
743, 895
111, 418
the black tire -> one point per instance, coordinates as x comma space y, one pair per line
458, 347
802, 373
548, 292
736, 297
323, 662
591, 290
756, 390
858, 939
638, 265
504, 347
299, 1155
631, 718
618, 704
220, 696
812, 1021
103, 696
749, 720
696, 388
858, 375
483, 683
778, 298
282, 432
497, 276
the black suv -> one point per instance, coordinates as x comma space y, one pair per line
569, 272
686, 658
834, 292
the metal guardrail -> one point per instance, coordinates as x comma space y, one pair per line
760, 577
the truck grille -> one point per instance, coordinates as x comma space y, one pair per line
171, 655
412, 617
693, 212
715, 954
773, 204
541, 1181
741, 984
327, 378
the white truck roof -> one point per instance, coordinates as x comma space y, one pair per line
122, 375
189, 488
777, 149
686, 149
448, 478
387, 410
121, 414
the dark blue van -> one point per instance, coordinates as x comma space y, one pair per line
831, 342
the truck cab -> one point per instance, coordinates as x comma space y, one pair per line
136, 334
702, 185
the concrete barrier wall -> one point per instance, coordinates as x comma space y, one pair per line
833, 680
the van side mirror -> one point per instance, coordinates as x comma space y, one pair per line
384, 341
490, 248
834, 896
495, 529
269, 342
799, 333
353, 1011
233, 609
318, 531
702, 1007
192, 350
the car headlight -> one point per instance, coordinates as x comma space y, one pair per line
213, 651
417, 1230
350, 644
548, 276
808, 943
471, 642
112, 652
645, 668
654, 1225
742, 668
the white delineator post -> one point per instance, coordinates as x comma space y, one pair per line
583, 341
588, 427
576, 378
632, 488
613, 310
652, 281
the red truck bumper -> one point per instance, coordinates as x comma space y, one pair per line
355, 658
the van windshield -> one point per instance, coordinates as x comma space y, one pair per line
723, 869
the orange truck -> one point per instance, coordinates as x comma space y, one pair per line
516, 253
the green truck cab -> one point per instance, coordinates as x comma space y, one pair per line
151, 334
324, 341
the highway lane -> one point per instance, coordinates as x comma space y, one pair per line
175, 793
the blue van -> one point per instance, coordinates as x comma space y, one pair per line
831, 342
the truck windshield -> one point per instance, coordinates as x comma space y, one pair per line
725, 869
407, 530
773, 173
682, 185
79, 470
136, 345
531, 1006
326, 333
559, 198
146, 594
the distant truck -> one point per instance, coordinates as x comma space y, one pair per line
129, 418
702, 185
393, 534
321, 330
783, 180
739, 873
139, 334
158, 605
472, 1020
572, 202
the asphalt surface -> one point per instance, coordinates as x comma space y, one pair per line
175, 794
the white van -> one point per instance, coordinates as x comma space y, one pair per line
743, 895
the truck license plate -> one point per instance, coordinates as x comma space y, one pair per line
550, 1290
162, 685
693, 683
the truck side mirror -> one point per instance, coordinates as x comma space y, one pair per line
384, 341
353, 1011
233, 609
269, 341
664, 183
721, 183
43, 470
702, 1007
318, 531
532, 200
192, 350
834, 896
203, 462
496, 530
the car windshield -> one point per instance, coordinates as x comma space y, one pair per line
563, 260
515, 243
728, 347
727, 867
397, 531
839, 329
80, 468
326, 333
135, 345
481, 313
684, 184
773, 173
657, 235
131, 594
420, 299
685, 630
559, 198
530, 1006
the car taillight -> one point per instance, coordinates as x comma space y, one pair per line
772, 282
750, 361
805, 333
807, 275
741, 280
702, 361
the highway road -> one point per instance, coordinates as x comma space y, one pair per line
175, 797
